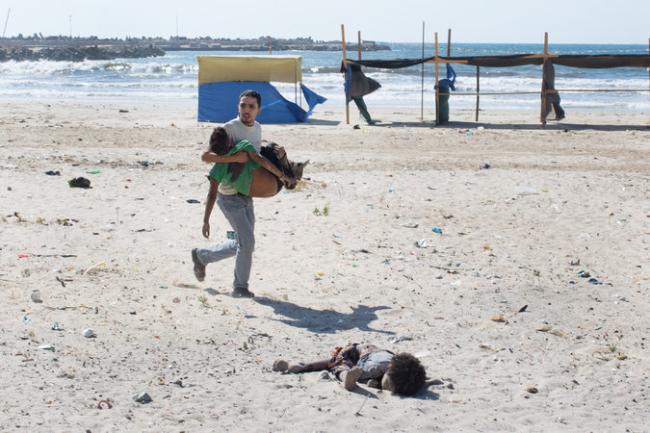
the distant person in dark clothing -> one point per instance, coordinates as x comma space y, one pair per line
552, 96
445, 86
357, 85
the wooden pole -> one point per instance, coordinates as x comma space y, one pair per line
344, 50
478, 91
448, 42
437, 76
544, 99
422, 81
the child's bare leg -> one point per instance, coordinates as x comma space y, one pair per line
350, 377
284, 366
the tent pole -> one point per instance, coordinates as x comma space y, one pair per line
478, 91
359, 44
437, 76
345, 55
422, 84
542, 116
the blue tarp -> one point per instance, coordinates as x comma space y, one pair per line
218, 102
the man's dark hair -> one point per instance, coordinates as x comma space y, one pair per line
252, 94
406, 373
220, 141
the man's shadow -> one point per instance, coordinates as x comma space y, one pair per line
324, 321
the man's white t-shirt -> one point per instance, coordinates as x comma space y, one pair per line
238, 131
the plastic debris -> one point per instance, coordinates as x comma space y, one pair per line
142, 398
437, 230
79, 182
89, 333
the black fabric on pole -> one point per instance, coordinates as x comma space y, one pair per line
575, 61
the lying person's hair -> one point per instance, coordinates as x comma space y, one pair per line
406, 374
220, 142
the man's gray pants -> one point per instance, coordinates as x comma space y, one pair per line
238, 210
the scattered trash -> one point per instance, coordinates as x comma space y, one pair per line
524, 190
145, 164
487, 247
595, 281
94, 171
36, 296
410, 225
391, 188
422, 243
23, 256
485, 166
105, 404
399, 339
122, 110
584, 274
56, 327
47, 347
79, 182
437, 230
499, 318
89, 333
575, 262
143, 398
532, 390
53, 173
522, 309
231, 235
356, 127
193, 201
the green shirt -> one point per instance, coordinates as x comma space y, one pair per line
221, 173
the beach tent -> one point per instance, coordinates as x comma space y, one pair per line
223, 78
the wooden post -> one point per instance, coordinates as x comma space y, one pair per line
478, 91
437, 76
345, 55
448, 42
544, 98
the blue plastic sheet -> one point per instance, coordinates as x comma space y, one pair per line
218, 102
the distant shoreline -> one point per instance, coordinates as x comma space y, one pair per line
63, 48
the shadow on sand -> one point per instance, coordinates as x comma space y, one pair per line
514, 126
324, 321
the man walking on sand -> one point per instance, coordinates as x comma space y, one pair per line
237, 208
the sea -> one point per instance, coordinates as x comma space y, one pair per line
174, 78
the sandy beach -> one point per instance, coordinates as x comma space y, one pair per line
495, 306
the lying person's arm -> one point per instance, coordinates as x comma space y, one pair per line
268, 165
212, 157
209, 205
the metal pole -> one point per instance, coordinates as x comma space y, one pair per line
422, 85
6, 21
344, 50
543, 108
478, 91
437, 76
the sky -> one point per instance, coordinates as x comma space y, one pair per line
519, 21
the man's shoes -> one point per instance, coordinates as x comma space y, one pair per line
242, 293
199, 268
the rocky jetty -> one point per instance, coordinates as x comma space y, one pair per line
63, 48
78, 53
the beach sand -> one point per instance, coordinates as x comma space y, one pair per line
336, 260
